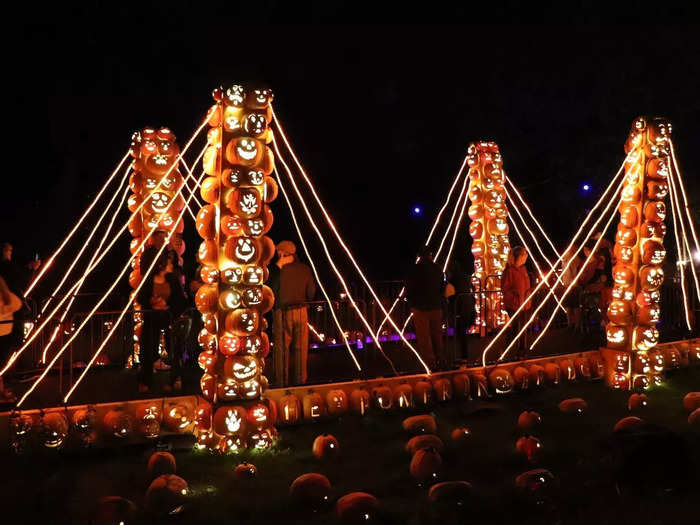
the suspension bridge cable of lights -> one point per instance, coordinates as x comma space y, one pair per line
342, 242
17, 353
685, 198
341, 331
680, 257
97, 251
427, 242
187, 178
531, 252
86, 243
133, 295
58, 250
104, 296
573, 241
574, 281
675, 182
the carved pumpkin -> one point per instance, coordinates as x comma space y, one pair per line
229, 344
359, 401
655, 211
646, 337
382, 397
567, 369
242, 250
289, 409
313, 405
653, 252
536, 375
325, 446
422, 393
626, 237
424, 441
620, 312
425, 464
623, 276
230, 420
118, 423
521, 377
337, 402
207, 384
403, 396
422, 424
203, 416
241, 368
553, 373
461, 386
311, 491
178, 417
582, 368
148, 417
53, 430
501, 380
617, 336
443, 389
243, 321
629, 216
479, 386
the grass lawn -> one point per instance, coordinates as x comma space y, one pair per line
648, 476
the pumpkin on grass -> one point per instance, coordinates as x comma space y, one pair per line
637, 402
161, 463
357, 507
423, 424
166, 495
311, 490
325, 446
528, 420
245, 471
426, 440
425, 464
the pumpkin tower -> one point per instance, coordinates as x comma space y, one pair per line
631, 359
489, 230
234, 255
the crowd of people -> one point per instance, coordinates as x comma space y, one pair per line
166, 297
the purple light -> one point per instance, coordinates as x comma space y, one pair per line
586, 187
417, 210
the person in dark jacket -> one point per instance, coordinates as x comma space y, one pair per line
424, 292
291, 326
515, 286
163, 300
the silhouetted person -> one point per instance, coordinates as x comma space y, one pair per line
424, 292
291, 330
515, 286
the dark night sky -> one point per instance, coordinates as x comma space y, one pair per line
381, 116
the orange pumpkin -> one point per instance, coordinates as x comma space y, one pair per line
461, 435
115, 509
583, 369
207, 385
422, 393
337, 402
424, 441
311, 491
637, 402
655, 211
422, 424
270, 189
443, 389
573, 405
325, 446
629, 216
206, 222
501, 380
451, 493
629, 423
118, 423
203, 416
245, 471
357, 507
694, 418
521, 377
382, 397
208, 253
530, 447
359, 401
230, 420
567, 369
425, 464
403, 396
479, 386
313, 406
161, 463
691, 401
206, 298
290, 410
529, 420
461, 386
166, 494
536, 375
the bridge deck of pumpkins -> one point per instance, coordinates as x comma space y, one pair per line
129, 422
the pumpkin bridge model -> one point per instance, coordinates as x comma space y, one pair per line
488, 229
234, 255
155, 152
639, 251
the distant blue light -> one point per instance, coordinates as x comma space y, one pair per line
586, 187
417, 210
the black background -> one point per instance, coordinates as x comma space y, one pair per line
380, 115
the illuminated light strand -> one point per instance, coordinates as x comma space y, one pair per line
116, 281
313, 329
313, 266
531, 252
675, 212
532, 215
573, 241
189, 176
430, 236
133, 294
685, 198
80, 284
27, 342
532, 256
463, 198
573, 282
87, 241
77, 225
342, 243
458, 223
679, 181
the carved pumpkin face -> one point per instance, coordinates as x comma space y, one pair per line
252, 296
617, 336
262, 439
655, 211
235, 95
209, 275
629, 216
631, 194
620, 312
207, 340
231, 226
659, 168
646, 337
241, 368
245, 202
623, 276
229, 299
476, 212
255, 124
207, 253
657, 190
653, 230
653, 252
229, 344
233, 275
647, 298
259, 98
476, 230
245, 151
244, 321
206, 298
651, 277
649, 314
210, 322
207, 384
207, 360
253, 275
256, 345
622, 293
243, 250
232, 119
230, 420
494, 198
626, 236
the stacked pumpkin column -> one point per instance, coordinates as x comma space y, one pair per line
488, 229
234, 256
155, 152
631, 358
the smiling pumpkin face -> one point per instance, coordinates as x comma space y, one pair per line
235, 95
245, 151
244, 321
241, 368
255, 124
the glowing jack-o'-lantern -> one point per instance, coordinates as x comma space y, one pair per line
623, 276
476, 212
359, 401
403, 396
53, 430
646, 337
229, 299
617, 336
290, 409
258, 415
241, 368
651, 277
243, 321
207, 384
206, 298
658, 168
653, 252
626, 237
382, 397
243, 250
255, 124
656, 360
337, 402
537, 375
230, 420
207, 253
313, 406
624, 294
206, 222
148, 416
501, 381
476, 230
553, 373
203, 417
641, 363
672, 357
629, 216
624, 254
262, 439
657, 190
422, 393
118, 423
620, 312
477, 249
245, 151
655, 211
631, 194
649, 314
